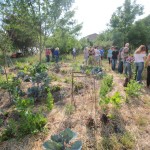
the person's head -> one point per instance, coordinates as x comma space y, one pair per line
112, 47
141, 49
127, 45
57, 48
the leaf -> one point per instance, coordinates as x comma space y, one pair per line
68, 135
51, 145
76, 146
57, 138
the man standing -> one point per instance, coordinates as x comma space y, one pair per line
114, 58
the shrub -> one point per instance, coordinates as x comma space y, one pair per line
49, 100
106, 85
133, 88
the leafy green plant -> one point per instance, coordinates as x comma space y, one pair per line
106, 85
115, 100
62, 140
23, 104
133, 88
38, 68
49, 100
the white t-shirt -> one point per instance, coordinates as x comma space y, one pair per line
139, 57
97, 52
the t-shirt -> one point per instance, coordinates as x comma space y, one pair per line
101, 52
114, 54
109, 54
139, 57
97, 52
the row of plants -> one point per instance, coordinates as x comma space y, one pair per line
29, 120
118, 138
92, 70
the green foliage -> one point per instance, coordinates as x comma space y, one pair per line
106, 85
133, 88
38, 68
29, 123
61, 140
49, 100
123, 18
23, 104
115, 100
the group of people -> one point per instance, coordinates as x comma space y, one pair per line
54, 53
127, 61
93, 55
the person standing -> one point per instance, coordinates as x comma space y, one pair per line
109, 55
101, 53
147, 65
97, 56
47, 53
86, 55
129, 61
56, 54
74, 53
114, 58
139, 56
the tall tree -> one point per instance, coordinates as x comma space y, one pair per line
125, 16
40, 16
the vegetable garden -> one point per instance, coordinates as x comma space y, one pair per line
37, 110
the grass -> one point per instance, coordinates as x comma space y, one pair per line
142, 121
118, 142
69, 109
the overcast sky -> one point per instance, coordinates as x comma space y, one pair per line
95, 14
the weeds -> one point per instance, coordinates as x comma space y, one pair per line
69, 109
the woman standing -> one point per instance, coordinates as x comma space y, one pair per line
47, 53
139, 56
147, 64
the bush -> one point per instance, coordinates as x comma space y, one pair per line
133, 88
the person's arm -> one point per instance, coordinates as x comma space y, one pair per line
147, 60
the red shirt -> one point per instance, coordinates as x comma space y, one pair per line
48, 52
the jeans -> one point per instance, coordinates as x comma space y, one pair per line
114, 62
148, 76
109, 59
139, 69
56, 59
120, 67
128, 70
47, 58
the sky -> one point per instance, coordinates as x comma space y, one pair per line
95, 14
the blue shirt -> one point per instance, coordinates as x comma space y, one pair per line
56, 53
109, 54
101, 52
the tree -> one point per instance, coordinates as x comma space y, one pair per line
38, 16
124, 17
140, 32
104, 39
